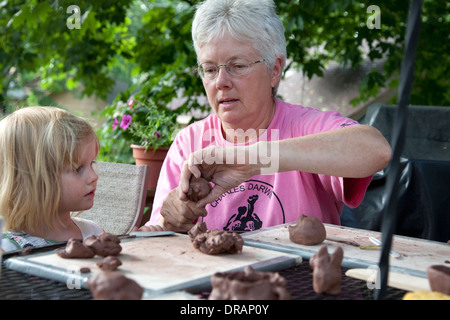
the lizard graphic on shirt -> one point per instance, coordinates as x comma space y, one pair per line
246, 219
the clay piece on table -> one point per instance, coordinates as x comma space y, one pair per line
197, 229
248, 285
105, 244
439, 278
327, 270
215, 241
198, 189
75, 249
307, 231
114, 286
110, 263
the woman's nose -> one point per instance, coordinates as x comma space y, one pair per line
223, 79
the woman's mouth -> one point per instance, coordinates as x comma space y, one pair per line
227, 102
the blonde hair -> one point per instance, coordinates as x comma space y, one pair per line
37, 144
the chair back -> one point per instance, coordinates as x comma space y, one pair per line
120, 197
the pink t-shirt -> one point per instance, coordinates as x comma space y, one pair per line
272, 199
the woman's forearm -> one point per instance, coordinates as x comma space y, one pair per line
352, 152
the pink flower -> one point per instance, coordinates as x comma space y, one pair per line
158, 135
126, 120
130, 103
114, 126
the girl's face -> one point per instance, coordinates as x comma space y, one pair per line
78, 184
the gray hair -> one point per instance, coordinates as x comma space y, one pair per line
245, 20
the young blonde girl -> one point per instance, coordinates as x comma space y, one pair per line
46, 167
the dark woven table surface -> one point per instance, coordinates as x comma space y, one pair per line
16, 285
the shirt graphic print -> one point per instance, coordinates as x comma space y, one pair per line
252, 202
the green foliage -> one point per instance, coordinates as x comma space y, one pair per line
34, 38
318, 32
148, 45
135, 122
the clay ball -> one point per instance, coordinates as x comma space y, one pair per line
105, 244
110, 263
307, 231
198, 189
114, 286
75, 249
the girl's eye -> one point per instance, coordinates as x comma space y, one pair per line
77, 170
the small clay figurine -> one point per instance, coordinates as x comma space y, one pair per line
248, 285
327, 270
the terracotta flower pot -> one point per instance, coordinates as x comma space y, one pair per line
152, 159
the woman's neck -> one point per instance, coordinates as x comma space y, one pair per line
238, 135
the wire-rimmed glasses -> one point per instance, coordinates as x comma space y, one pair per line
235, 67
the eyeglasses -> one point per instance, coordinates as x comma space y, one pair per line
236, 67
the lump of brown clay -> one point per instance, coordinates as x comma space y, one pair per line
307, 231
327, 270
215, 241
105, 244
439, 278
114, 286
75, 249
198, 189
198, 228
110, 263
248, 285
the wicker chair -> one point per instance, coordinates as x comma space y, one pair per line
120, 197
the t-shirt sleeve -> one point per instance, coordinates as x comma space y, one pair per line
354, 190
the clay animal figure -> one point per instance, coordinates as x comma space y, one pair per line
327, 270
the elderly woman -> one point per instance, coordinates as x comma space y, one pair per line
269, 161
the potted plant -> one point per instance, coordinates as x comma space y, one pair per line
145, 127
